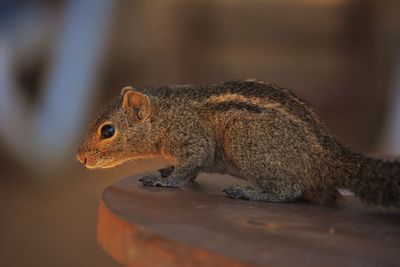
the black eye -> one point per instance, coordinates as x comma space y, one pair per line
107, 131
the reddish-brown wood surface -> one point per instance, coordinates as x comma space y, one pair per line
199, 226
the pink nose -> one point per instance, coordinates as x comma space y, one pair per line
81, 158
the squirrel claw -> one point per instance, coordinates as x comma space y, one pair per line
152, 180
149, 180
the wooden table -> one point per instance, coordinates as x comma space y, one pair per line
199, 226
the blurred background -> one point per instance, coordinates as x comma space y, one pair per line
60, 61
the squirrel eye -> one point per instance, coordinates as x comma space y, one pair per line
107, 131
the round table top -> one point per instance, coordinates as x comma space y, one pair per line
198, 226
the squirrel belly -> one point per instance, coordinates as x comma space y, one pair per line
248, 129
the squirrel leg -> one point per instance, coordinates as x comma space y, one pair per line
176, 176
192, 147
173, 176
258, 194
168, 177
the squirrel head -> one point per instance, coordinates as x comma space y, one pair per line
118, 133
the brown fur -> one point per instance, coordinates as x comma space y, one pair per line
249, 129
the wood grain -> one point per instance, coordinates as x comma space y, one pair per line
199, 226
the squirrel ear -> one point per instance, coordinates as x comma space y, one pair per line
126, 89
137, 102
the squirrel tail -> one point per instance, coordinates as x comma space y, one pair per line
374, 181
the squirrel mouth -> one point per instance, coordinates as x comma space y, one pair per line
110, 163
105, 164
94, 167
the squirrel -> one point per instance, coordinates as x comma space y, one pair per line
249, 129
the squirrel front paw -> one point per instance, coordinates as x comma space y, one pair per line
149, 179
153, 180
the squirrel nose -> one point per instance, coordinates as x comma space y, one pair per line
82, 159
